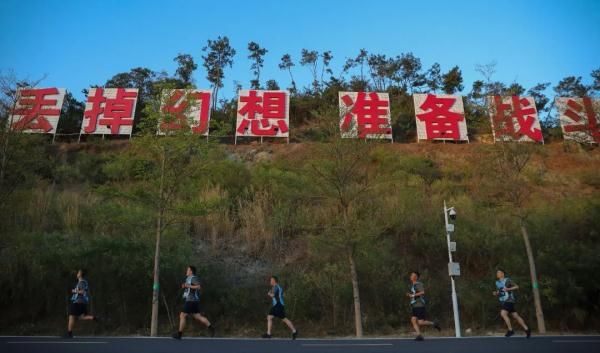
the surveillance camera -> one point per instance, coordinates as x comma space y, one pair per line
452, 213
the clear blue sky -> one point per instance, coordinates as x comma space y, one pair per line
79, 43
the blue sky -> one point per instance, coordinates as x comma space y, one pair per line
79, 43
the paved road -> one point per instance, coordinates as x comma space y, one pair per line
549, 344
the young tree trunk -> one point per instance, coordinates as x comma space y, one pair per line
539, 313
155, 285
356, 296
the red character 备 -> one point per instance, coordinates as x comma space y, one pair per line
440, 121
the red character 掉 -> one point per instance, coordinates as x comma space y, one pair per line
439, 119
110, 109
368, 111
34, 108
262, 113
516, 119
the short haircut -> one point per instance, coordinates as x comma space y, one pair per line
193, 268
275, 278
83, 272
417, 273
501, 270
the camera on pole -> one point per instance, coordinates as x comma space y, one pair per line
453, 267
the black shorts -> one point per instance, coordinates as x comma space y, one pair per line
277, 310
191, 307
77, 309
419, 312
510, 307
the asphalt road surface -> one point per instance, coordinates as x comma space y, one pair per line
550, 344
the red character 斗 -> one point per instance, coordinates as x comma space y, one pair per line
583, 118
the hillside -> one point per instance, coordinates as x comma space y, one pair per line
242, 213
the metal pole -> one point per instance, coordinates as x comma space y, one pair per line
454, 297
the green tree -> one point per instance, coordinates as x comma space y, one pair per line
219, 55
185, 68
287, 64
257, 55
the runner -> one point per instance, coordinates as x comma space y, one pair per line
417, 303
79, 301
278, 309
192, 303
505, 292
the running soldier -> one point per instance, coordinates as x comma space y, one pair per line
505, 292
79, 301
192, 303
417, 303
277, 309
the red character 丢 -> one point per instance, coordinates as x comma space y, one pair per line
34, 108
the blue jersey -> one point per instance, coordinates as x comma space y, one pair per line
83, 297
277, 295
504, 296
192, 295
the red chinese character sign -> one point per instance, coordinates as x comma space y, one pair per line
37, 110
365, 115
263, 114
440, 117
109, 111
579, 119
514, 119
186, 109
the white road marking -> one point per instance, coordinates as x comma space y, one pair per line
55, 342
346, 344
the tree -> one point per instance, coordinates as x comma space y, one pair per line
219, 55
70, 115
141, 78
22, 156
434, 78
326, 59
272, 85
309, 58
571, 86
287, 64
186, 67
596, 76
512, 174
257, 55
452, 81
345, 181
408, 72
